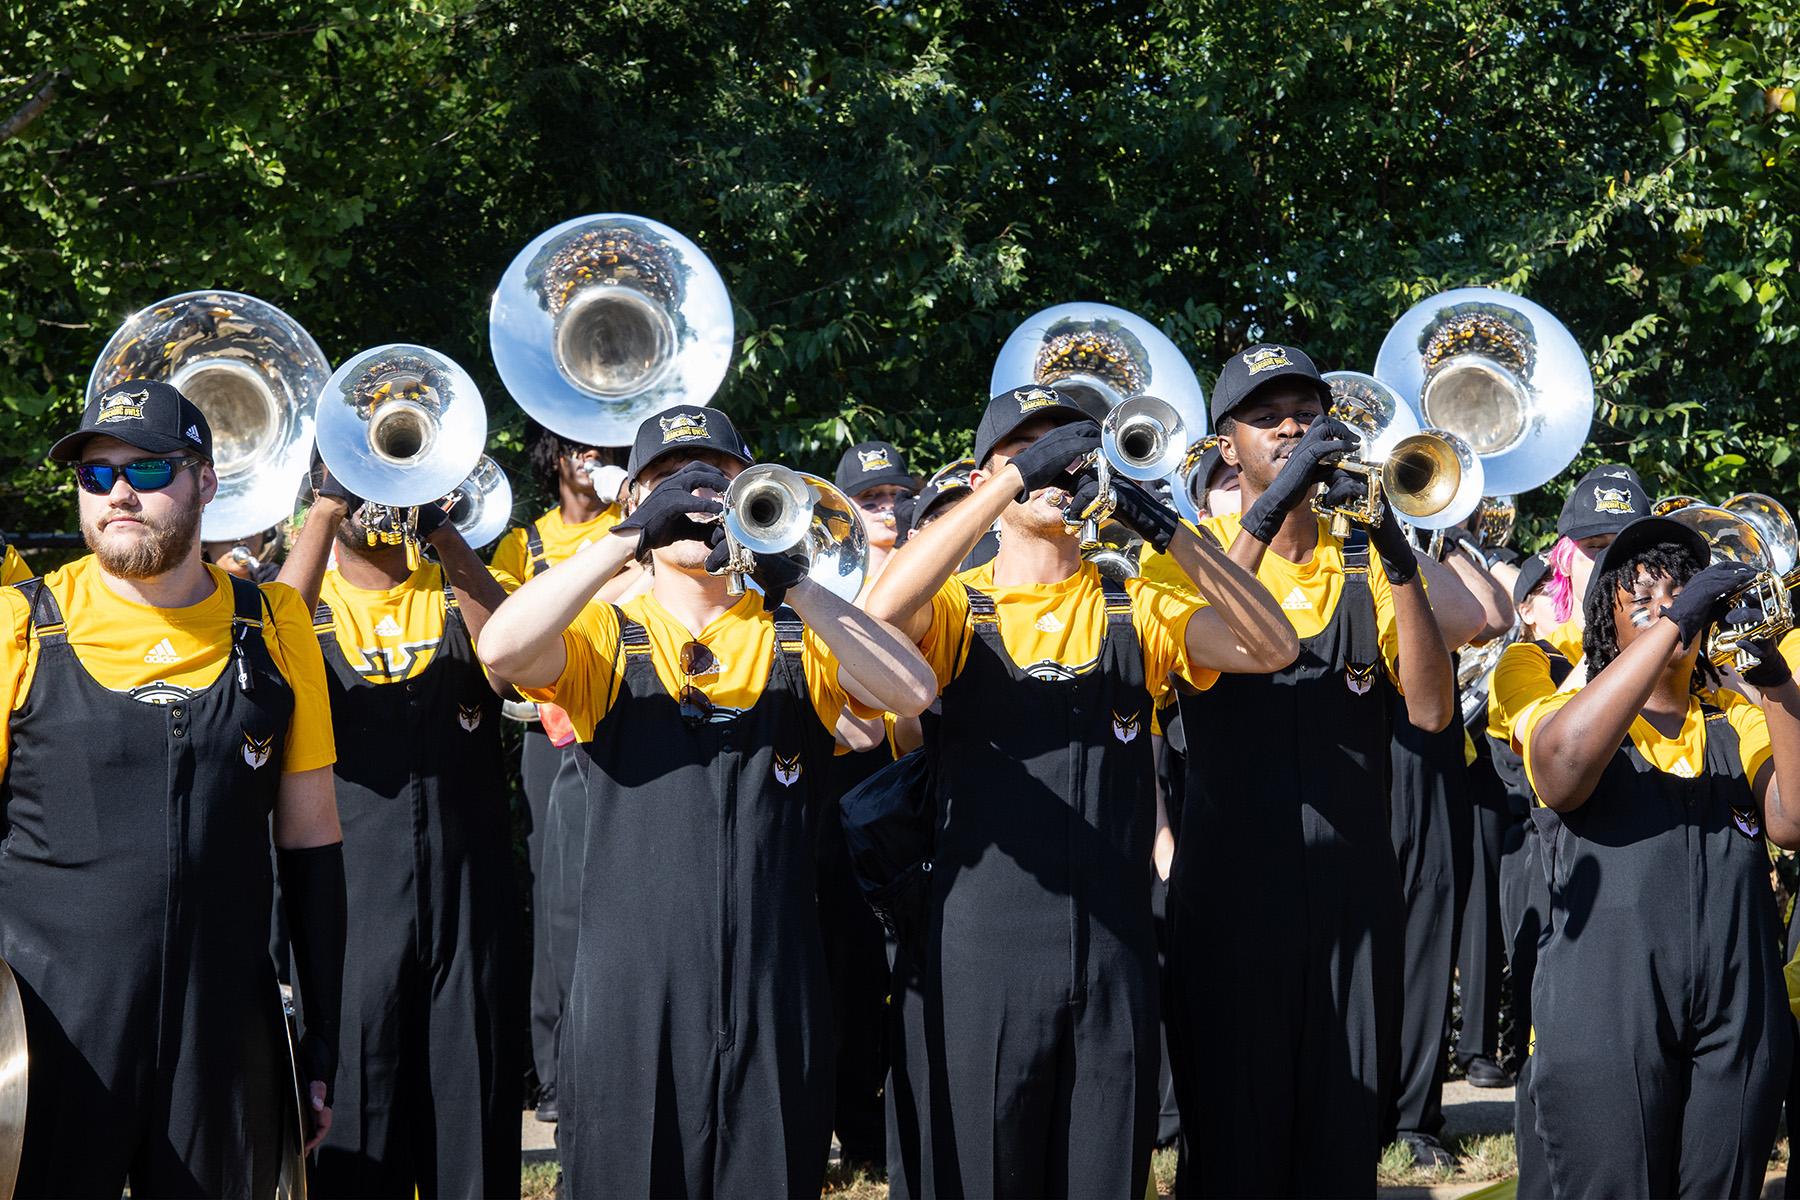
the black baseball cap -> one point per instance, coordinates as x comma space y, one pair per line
682, 430
1643, 533
1259, 366
1605, 500
1531, 573
145, 413
873, 464
1011, 409
936, 497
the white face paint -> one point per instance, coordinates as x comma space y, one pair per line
1643, 618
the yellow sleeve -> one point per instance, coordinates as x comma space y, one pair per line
510, 561
295, 649
1528, 722
1160, 616
15, 658
13, 568
590, 677
1752, 727
1520, 677
820, 667
1789, 646
1159, 567
946, 642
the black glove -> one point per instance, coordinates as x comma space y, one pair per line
1703, 600
1398, 561
774, 573
430, 519
667, 514
325, 484
1327, 439
312, 896
1770, 670
1046, 462
1133, 506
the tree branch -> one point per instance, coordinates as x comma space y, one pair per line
43, 87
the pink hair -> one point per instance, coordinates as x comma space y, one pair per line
1560, 587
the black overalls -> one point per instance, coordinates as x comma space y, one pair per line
1663, 1035
135, 888
1525, 915
1030, 1046
430, 1059
1431, 825
1284, 957
696, 1048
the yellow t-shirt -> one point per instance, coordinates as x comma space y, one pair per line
1789, 646
13, 568
1308, 591
1522, 677
1684, 755
1056, 628
159, 655
513, 557
742, 642
390, 634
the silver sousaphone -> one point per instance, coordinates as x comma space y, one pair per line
1500, 372
606, 320
481, 505
15, 1067
254, 372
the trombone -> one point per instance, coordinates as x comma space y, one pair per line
771, 509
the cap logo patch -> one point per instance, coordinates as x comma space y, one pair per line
874, 460
682, 427
1032, 399
1612, 500
1265, 358
122, 406
193, 434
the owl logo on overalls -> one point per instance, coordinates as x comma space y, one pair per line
1359, 679
469, 717
1747, 823
1126, 728
787, 769
256, 750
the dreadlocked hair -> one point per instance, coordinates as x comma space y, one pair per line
1600, 639
545, 450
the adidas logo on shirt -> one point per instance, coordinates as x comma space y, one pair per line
388, 627
1048, 624
162, 653
1296, 599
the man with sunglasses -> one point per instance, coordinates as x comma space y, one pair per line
1030, 1042
432, 1006
696, 1050
165, 719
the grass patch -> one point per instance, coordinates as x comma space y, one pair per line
1480, 1158
537, 1181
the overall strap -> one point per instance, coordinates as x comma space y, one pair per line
451, 607
1724, 757
1357, 602
983, 618
324, 620
534, 546
1118, 604
790, 632
46, 614
634, 639
249, 607
1559, 666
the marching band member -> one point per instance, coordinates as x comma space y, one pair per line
160, 713
874, 476
1031, 1041
1292, 848
1662, 1032
432, 1062
547, 762
696, 1052
13, 568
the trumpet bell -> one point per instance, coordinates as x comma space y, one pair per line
607, 319
1144, 438
1100, 356
255, 373
771, 509
1776, 526
1501, 372
481, 507
401, 425
1434, 479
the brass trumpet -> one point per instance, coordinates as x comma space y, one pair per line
1734, 537
1429, 476
771, 509
1142, 438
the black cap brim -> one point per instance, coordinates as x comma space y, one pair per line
1645, 532
1533, 573
1295, 375
1061, 414
68, 448
856, 487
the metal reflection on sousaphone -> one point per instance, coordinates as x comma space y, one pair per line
1430, 477
481, 505
401, 426
1731, 536
606, 320
253, 371
772, 509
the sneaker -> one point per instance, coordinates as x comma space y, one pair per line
546, 1106
1428, 1153
1484, 1072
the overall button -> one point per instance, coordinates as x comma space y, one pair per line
180, 731
176, 712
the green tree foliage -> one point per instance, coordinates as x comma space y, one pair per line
890, 187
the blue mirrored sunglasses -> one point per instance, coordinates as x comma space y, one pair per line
144, 475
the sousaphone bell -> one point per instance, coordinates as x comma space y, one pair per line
481, 505
1732, 537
